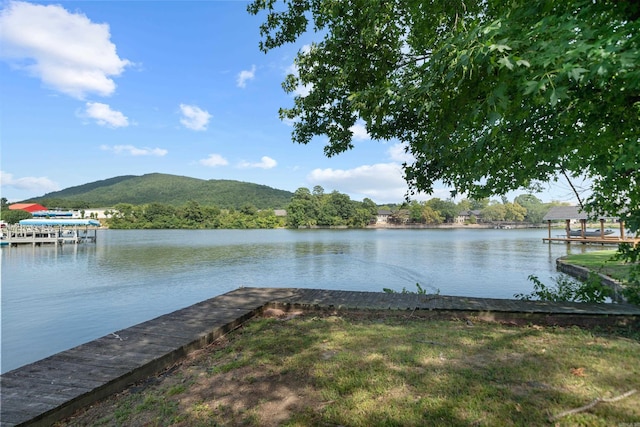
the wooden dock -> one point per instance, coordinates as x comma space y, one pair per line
597, 240
41, 393
15, 235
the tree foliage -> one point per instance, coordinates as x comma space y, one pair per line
310, 209
511, 212
192, 215
424, 213
13, 216
446, 208
487, 96
535, 209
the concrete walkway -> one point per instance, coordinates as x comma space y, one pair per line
53, 388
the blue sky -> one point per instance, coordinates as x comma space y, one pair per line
90, 90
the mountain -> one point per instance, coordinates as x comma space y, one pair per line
166, 189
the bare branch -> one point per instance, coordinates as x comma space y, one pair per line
591, 405
564, 172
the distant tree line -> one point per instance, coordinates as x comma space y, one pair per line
190, 216
525, 208
312, 208
318, 209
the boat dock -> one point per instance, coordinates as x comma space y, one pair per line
37, 232
49, 390
599, 236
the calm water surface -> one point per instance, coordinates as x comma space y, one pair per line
54, 298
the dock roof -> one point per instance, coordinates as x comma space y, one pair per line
558, 213
63, 222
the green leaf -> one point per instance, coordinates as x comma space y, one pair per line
531, 87
576, 73
499, 47
505, 62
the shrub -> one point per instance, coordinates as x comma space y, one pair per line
568, 289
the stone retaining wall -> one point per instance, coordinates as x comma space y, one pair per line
582, 273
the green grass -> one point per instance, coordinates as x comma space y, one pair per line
382, 370
602, 262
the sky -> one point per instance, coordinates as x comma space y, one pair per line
91, 90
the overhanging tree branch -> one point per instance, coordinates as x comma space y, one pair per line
573, 188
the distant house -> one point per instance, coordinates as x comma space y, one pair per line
383, 216
465, 216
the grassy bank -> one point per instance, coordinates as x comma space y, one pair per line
601, 262
378, 369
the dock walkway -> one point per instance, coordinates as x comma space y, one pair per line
596, 240
51, 389
50, 231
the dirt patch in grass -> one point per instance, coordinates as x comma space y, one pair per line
387, 368
197, 392
235, 394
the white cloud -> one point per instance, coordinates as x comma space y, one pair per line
291, 69
397, 153
194, 118
29, 183
264, 163
246, 75
288, 122
67, 51
214, 160
381, 182
303, 90
135, 151
359, 132
105, 116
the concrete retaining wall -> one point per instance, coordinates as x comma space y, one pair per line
582, 273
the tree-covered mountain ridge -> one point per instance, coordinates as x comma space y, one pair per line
166, 189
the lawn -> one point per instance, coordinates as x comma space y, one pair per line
601, 262
389, 369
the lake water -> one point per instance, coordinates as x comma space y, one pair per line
54, 298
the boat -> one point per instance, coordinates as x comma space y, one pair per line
592, 233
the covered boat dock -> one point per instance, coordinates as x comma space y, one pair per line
51, 231
571, 214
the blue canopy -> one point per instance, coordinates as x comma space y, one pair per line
51, 214
54, 222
